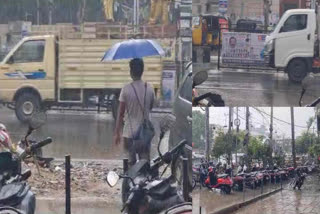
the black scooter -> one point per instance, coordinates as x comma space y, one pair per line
148, 191
15, 193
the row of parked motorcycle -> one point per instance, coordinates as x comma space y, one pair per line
206, 176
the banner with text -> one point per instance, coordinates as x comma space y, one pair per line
243, 48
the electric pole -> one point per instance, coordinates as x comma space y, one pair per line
271, 124
247, 137
293, 138
207, 135
271, 129
237, 123
230, 131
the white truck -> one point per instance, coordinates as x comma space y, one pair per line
293, 46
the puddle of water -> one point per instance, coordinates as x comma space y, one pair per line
83, 136
54, 207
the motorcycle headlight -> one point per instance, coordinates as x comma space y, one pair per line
269, 46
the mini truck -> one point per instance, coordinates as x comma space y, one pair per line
293, 46
45, 72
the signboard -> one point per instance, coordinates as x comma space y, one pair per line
223, 6
243, 48
168, 85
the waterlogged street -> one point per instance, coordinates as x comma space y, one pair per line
213, 201
241, 87
288, 201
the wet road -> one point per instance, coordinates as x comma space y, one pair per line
212, 201
258, 88
83, 135
306, 201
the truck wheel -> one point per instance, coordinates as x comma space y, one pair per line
115, 106
297, 70
26, 104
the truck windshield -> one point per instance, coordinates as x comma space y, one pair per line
295, 23
30, 51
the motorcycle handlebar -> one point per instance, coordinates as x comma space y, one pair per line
315, 103
41, 144
173, 150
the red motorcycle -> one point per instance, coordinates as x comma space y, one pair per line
222, 182
238, 183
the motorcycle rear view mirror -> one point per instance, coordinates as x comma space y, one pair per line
199, 78
112, 178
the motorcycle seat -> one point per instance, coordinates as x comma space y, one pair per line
12, 194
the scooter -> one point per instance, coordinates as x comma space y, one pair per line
221, 182
15, 193
148, 191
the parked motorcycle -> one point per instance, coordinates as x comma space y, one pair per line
148, 191
15, 193
222, 182
238, 183
208, 99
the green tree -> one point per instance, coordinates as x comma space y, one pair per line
304, 142
225, 144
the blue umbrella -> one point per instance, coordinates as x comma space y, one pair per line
134, 48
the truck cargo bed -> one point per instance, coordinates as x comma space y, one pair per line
80, 66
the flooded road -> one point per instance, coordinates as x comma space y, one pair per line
288, 201
78, 205
212, 201
83, 135
258, 88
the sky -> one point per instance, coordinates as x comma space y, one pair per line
259, 116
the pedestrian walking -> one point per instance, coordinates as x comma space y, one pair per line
136, 101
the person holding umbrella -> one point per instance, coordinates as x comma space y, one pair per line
136, 101
136, 98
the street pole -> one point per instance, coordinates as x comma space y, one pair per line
38, 12
138, 13
237, 136
271, 131
266, 9
50, 11
293, 138
135, 15
229, 131
248, 134
207, 134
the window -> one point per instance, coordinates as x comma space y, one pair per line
30, 51
295, 23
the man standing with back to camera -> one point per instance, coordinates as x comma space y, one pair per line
136, 101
